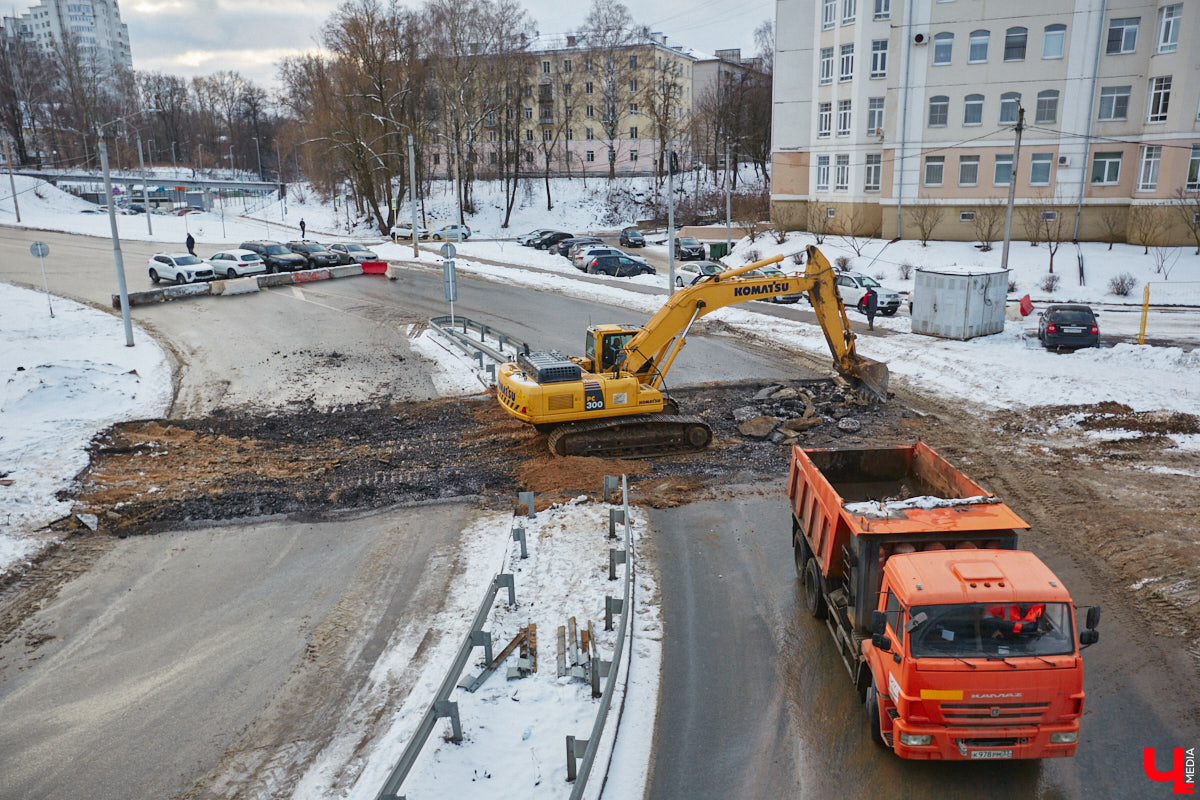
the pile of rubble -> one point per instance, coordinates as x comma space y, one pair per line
780, 413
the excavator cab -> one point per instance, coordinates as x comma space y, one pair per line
604, 345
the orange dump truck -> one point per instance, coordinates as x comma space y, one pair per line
962, 646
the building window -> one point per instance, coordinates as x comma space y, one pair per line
1114, 103
824, 119
874, 172
633, 132
633, 155
528, 156
589, 155
1122, 35
528, 113
633, 108
587, 87
943, 47
879, 53
966, 216
846, 64
843, 118
874, 116
633, 65
529, 135
939, 111
437, 159
968, 170
1160, 99
589, 111
1014, 44
978, 47
547, 134
1010, 102
1193, 173
973, 109
826, 65
587, 134
934, 167
1148, 174
1047, 107
570, 134
883, 9
1106, 168
822, 173
828, 14
841, 172
1039, 169
1053, 41
1168, 27
849, 11
545, 67
633, 85
1002, 175
567, 65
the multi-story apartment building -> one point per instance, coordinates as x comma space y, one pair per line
883, 108
94, 24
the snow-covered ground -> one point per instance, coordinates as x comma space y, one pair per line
62, 379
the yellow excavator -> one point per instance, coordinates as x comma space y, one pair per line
610, 401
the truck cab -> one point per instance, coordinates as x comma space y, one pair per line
973, 656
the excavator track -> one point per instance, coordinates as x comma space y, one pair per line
638, 436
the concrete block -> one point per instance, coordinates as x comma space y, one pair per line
186, 290
139, 298
235, 286
346, 271
310, 275
276, 279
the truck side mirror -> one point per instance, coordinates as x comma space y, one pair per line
882, 642
1088, 637
878, 622
1093, 617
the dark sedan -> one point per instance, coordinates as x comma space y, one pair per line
315, 253
563, 248
618, 267
548, 240
632, 237
278, 257
1068, 327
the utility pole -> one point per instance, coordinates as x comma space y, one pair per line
258, 152
412, 192
279, 168
174, 165
671, 215
728, 224
145, 190
118, 261
1012, 188
12, 183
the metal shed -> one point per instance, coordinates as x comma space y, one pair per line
959, 302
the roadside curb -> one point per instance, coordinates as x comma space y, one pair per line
253, 284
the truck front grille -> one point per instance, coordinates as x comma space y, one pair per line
993, 713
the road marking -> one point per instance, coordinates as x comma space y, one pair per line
297, 293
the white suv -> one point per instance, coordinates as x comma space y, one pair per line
179, 267
852, 288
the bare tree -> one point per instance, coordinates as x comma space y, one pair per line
751, 211
608, 30
988, 223
26, 76
1165, 259
926, 218
855, 233
1145, 227
764, 45
1187, 204
1052, 230
817, 220
1113, 222
1031, 221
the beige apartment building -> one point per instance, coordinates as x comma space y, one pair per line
886, 109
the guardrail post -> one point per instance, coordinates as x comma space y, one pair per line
575, 750
483, 639
490, 369
479, 358
526, 499
611, 482
612, 605
614, 557
483, 329
506, 581
518, 535
615, 515
448, 708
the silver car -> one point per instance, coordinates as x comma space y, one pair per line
356, 253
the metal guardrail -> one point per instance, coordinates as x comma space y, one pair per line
441, 705
457, 329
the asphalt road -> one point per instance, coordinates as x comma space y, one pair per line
755, 702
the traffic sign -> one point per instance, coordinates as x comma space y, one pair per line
450, 278
447, 250
39, 249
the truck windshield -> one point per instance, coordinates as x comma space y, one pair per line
991, 630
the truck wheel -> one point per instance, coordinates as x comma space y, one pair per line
873, 715
814, 598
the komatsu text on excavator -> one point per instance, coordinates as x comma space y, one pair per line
610, 401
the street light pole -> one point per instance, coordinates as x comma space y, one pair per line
258, 152
118, 261
412, 192
145, 190
671, 215
12, 184
174, 165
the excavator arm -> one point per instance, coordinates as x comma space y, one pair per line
651, 352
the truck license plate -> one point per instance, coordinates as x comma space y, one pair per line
978, 754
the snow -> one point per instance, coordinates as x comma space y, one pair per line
873, 509
453, 374
514, 731
63, 380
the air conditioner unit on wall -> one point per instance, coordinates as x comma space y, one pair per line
920, 38
1064, 161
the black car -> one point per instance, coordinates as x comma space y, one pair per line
563, 248
632, 237
618, 267
548, 240
1068, 327
315, 254
278, 257
688, 248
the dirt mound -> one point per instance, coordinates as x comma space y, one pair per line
1149, 422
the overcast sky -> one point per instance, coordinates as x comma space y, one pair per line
198, 37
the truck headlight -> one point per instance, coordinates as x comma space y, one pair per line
916, 739
1070, 737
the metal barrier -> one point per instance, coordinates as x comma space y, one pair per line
449, 327
441, 705
590, 745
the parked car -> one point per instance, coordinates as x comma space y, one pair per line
450, 233
353, 253
236, 263
632, 237
548, 240
776, 272
688, 248
1069, 327
586, 252
403, 230
852, 288
183, 212
278, 257
528, 238
179, 267
619, 266
563, 248
687, 273
315, 254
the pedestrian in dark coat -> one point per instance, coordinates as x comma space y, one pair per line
191, 244
301, 228
872, 305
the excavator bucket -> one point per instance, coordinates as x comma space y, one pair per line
871, 375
